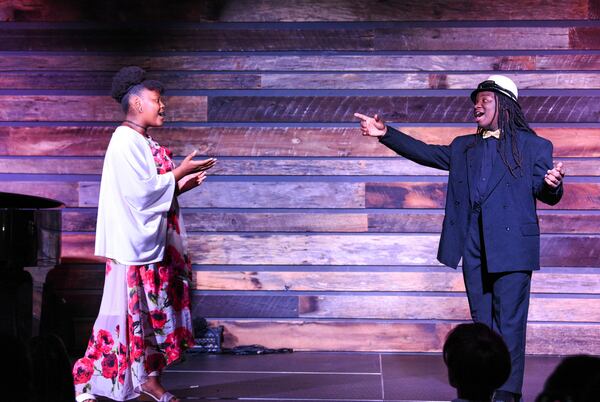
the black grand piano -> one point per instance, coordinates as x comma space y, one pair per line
30, 230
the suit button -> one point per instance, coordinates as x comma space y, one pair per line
507, 229
456, 202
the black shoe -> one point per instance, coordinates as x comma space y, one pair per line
506, 396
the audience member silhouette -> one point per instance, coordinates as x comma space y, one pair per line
478, 361
575, 379
16, 380
52, 378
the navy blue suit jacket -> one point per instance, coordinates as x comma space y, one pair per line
509, 221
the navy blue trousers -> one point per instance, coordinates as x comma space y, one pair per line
499, 300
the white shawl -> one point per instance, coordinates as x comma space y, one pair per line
134, 201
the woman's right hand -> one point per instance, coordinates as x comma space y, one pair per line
189, 166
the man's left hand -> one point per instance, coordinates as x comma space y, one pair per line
555, 175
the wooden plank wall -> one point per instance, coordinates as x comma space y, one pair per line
308, 235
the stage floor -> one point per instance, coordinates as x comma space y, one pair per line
321, 376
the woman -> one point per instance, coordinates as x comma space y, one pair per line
144, 323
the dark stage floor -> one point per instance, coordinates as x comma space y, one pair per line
304, 376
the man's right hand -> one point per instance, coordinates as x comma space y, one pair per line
371, 126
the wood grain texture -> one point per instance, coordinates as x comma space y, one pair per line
89, 108
332, 38
286, 62
432, 195
415, 109
392, 222
85, 221
243, 194
91, 80
407, 280
304, 10
341, 335
65, 192
264, 141
342, 249
281, 194
86, 80
419, 307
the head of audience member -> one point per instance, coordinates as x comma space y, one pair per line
575, 379
52, 378
477, 359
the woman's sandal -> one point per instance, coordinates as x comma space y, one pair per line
85, 397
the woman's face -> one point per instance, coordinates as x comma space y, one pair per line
150, 108
485, 110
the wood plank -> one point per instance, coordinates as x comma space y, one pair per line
417, 109
370, 81
294, 63
213, 194
260, 167
584, 38
240, 306
340, 335
308, 10
85, 221
257, 195
407, 280
65, 192
397, 10
85, 80
332, 38
575, 222
89, 108
419, 307
405, 222
270, 167
432, 195
283, 142
425, 279
343, 249
89, 80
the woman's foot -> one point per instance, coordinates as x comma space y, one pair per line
154, 389
85, 398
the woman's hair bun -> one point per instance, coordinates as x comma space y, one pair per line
125, 79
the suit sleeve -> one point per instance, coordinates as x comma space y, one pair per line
435, 156
543, 162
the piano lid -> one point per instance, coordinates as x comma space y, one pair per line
30, 230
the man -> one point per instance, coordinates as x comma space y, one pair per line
495, 177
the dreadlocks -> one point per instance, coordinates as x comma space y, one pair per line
510, 121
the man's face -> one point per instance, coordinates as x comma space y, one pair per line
485, 110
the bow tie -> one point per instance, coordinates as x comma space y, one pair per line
490, 133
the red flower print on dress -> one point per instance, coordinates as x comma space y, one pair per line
178, 295
93, 353
110, 366
177, 341
132, 276
108, 268
164, 274
83, 370
151, 285
158, 319
134, 303
137, 348
155, 362
123, 365
104, 341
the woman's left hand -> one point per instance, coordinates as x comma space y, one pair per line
191, 181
